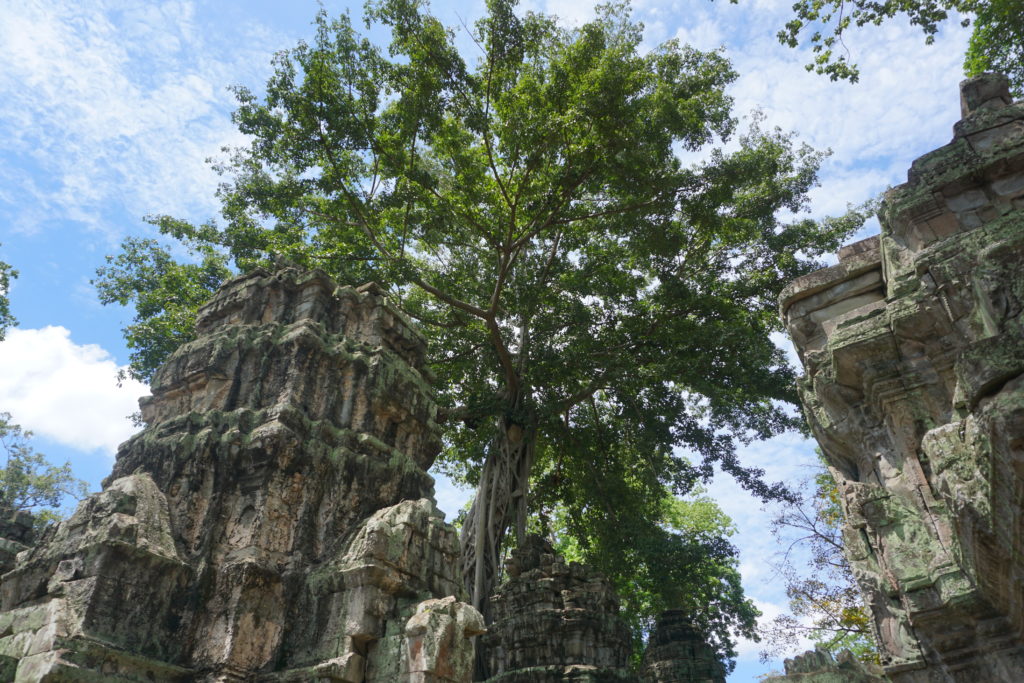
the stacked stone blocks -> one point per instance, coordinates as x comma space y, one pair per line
913, 347
273, 521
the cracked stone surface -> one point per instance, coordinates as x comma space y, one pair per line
913, 349
273, 522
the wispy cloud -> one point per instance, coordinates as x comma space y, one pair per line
114, 105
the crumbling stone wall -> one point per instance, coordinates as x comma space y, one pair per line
913, 347
819, 666
556, 621
273, 522
677, 653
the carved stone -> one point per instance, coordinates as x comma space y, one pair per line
818, 666
676, 653
273, 522
913, 347
555, 622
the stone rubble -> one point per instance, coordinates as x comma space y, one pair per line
913, 348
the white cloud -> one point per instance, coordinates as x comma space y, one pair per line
65, 391
116, 105
571, 12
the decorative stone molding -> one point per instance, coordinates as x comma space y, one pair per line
913, 348
273, 522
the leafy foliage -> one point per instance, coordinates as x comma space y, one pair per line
28, 481
165, 294
7, 273
996, 43
661, 552
588, 299
826, 604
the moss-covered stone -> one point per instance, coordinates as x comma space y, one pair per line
917, 400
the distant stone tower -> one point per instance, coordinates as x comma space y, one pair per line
677, 653
556, 621
274, 520
913, 347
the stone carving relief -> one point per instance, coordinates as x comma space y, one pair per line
913, 348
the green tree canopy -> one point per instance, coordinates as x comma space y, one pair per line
592, 304
661, 552
28, 482
7, 273
996, 43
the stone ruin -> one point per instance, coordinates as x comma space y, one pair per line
819, 666
543, 596
913, 348
676, 652
274, 522
556, 621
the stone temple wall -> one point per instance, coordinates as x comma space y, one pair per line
273, 522
913, 347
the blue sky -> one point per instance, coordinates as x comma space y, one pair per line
109, 110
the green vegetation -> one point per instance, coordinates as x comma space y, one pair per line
164, 293
594, 307
827, 605
28, 482
7, 273
996, 43
667, 553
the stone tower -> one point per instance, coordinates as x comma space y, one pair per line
273, 522
913, 347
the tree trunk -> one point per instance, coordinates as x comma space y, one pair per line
500, 503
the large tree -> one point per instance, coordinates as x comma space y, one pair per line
593, 305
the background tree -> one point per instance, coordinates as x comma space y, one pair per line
164, 293
667, 552
825, 605
28, 482
6, 319
996, 43
591, 303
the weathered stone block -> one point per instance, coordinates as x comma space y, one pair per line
918, 404
273, 521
